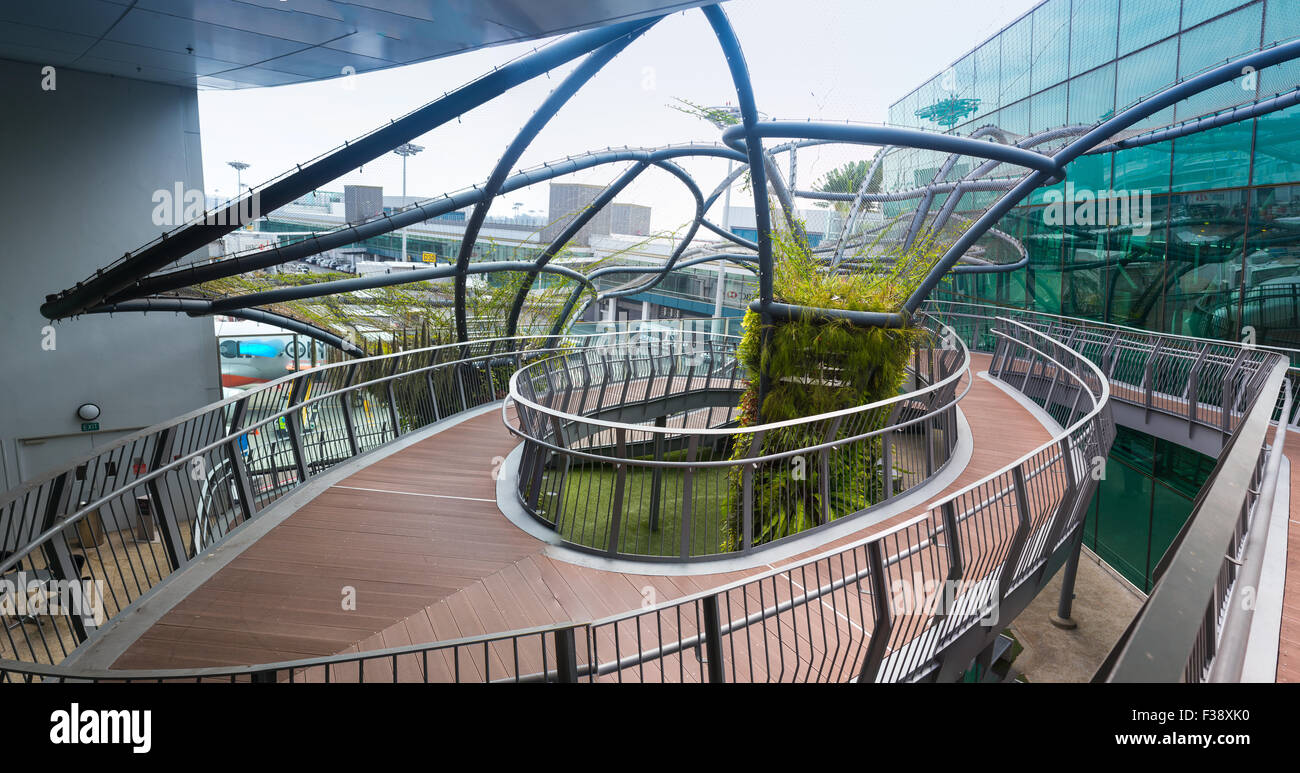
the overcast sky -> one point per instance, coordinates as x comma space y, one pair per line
821, 59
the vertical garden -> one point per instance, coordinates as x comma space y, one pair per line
816, 364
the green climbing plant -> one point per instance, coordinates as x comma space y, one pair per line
820, 365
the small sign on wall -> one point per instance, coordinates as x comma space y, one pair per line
90, 426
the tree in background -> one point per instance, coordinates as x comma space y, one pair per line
848, 178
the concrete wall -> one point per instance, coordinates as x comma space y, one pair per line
81, 164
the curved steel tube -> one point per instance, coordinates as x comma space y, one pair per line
549, 107
188, 238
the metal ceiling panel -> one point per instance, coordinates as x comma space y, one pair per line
241, 43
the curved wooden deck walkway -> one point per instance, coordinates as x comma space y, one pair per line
419, 537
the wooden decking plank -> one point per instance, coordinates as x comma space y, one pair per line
431, 568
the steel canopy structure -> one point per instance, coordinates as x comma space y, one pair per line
1006, 166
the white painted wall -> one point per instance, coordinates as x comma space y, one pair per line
80, 165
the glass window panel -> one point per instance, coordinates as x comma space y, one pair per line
1135, 449
1271, 300
1092, 96
988, 74
1047, 108
1051, 44
1277, 147
1182, 469
1124, 521
961, 86
1220, 40
1217, 158
1143, 22
1043, 243
1092, 34
1015, 119
1281, 23
1092, 172
1210, 45
926, 96
1203, 261
1197, 11
1146, 72
1144, 168
1086, 254
1015, 60
1136, 274
1170, 510
1281, 20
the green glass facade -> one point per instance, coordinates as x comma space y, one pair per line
1223, 248
1223, 251
1142, 502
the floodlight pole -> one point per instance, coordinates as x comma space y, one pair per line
718, 325
404, 150
722, 264
239, 167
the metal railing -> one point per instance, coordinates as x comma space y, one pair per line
118, 522
866, 612
1194, 625
1208, 383
914, 602
634, 452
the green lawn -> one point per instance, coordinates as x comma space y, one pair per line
585, 515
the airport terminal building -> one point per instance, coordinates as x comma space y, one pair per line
1214, 247
1019, 400
1223, 249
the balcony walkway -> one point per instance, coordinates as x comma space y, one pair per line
419, 536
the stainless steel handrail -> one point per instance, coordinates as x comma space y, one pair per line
884, 642
842, 464
261, 437
716, 635
1176, 634
1230, 357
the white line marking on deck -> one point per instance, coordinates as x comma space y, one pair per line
414, 493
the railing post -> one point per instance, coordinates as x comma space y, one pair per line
1148, 378
952, 543
392, 397
533, 471
747, 491
1031, 362
883, 622
688, 482
172, 544
59, 559
349, 421
1229, 394
887, 465
1001, 365
620, 485
657, 474
927, 430
824, 469
1021, 536
460, 384
566, 656
433, 391
1193, 392
236, 456
293, 420
713, 639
